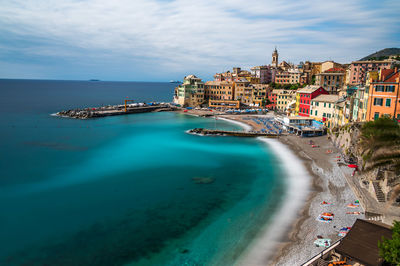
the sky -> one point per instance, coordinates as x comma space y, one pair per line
162, 40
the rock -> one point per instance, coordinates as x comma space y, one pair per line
203, 180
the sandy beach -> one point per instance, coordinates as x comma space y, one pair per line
328, 184
293, 242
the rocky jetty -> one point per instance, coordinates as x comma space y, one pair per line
112, 110
205, 132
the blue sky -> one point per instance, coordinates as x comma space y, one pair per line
149, 40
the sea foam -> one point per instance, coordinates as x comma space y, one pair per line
245, 127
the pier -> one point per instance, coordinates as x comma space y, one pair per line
210, 132
114, 110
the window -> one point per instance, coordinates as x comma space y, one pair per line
324, 104
329, 105
376, 115
311, 112
379, 88
389, 88
388, 102
316, 112
378, 101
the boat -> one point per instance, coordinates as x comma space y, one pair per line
324, 219
323, 242
351, 205
94, 80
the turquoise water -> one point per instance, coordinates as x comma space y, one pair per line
122, 191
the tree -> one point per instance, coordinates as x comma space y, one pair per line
313, 80
389, 249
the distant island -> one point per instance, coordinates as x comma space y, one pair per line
94, 80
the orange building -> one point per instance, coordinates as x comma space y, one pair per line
384, 95
219, 90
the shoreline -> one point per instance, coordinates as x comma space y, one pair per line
298, 182
293, 245
274, 232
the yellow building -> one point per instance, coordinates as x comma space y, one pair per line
338, 114
284, 98
322, 108
259, 94
219, 90
297, 108
243, 91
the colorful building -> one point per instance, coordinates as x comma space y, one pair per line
332, 80
259, 96
243, 91
283, 98
359, 69
338, 113
272, 97
358, 105
264, 74
219, 90
384, 95
305, 95
190, 92
322, 108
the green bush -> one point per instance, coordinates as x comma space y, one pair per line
389, 249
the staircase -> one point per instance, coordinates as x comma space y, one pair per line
378, 192
322, 262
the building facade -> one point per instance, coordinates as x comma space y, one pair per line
384, 98
332, 80
243, 91
283, 98
305, 95
263, 73
322, 108
190, 93
359, 69
219, 90
259, 94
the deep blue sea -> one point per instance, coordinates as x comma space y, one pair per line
122, 190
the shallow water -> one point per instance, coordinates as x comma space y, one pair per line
122, 190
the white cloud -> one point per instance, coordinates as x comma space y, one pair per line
200, 35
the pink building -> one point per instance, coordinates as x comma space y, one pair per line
264, 73
359, 69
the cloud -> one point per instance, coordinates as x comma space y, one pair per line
160, 38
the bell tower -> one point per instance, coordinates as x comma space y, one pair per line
275, 58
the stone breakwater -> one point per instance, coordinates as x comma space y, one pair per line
206, 132
114, 110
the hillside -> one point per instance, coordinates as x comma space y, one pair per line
382, 54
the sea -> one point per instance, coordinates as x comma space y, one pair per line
126, 190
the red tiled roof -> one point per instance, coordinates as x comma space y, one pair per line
335, 69
388, 75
